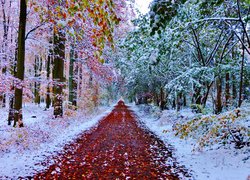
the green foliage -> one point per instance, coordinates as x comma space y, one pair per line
161, 12
247, 1
188, 48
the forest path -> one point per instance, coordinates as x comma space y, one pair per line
120, 147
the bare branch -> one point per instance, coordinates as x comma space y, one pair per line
219, 41
225, 47
32, 30
216, 19
198, 47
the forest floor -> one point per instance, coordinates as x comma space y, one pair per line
22, 149
217, 162
111, 142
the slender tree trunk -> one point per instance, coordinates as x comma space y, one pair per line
227, 90
79, 89
156, 99
58, 72
241, 75
39, 82
13, 72
12, 98
20, 64
48, 100
174, 103
74, 83
11, 110
38, 69
162, 99
72, 80
197, 95
184, 100
204, 100
6, 22
218, 103
178, 101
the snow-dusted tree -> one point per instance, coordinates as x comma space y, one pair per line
20, 64
195, 50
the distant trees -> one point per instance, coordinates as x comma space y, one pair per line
54, 32
196, 50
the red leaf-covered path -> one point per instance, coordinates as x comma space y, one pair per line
118, 148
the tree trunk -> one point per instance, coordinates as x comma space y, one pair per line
20, 64
156, 99
241, 76
174, 104
11, 110
162, 99
38, 69
11, 97
184, 100
79, 89
178, 101
13, 72
72, 79
204, 99
196, 99
234, 89
58, 72
48, 100
6, 22
227, 90
218, 103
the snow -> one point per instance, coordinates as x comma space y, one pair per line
224, 163
21, 149
143, 5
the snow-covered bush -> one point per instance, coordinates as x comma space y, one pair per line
227, 128
198, 108
152, 110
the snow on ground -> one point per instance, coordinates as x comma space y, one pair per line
21, 149
213, 164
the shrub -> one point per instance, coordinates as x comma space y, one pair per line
216, 129
198, 108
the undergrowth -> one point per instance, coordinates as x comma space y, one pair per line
221, 129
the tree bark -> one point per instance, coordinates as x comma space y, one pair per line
20, 64
38, 69
227, 90
48, 100
58, 72
218, 104
6, 22
184, 100
162, 99
197, 95
234, 89
72, 79
174, 103
204, 99
241, 75
12, 97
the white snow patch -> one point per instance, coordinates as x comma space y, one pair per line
21, 149
211, 164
